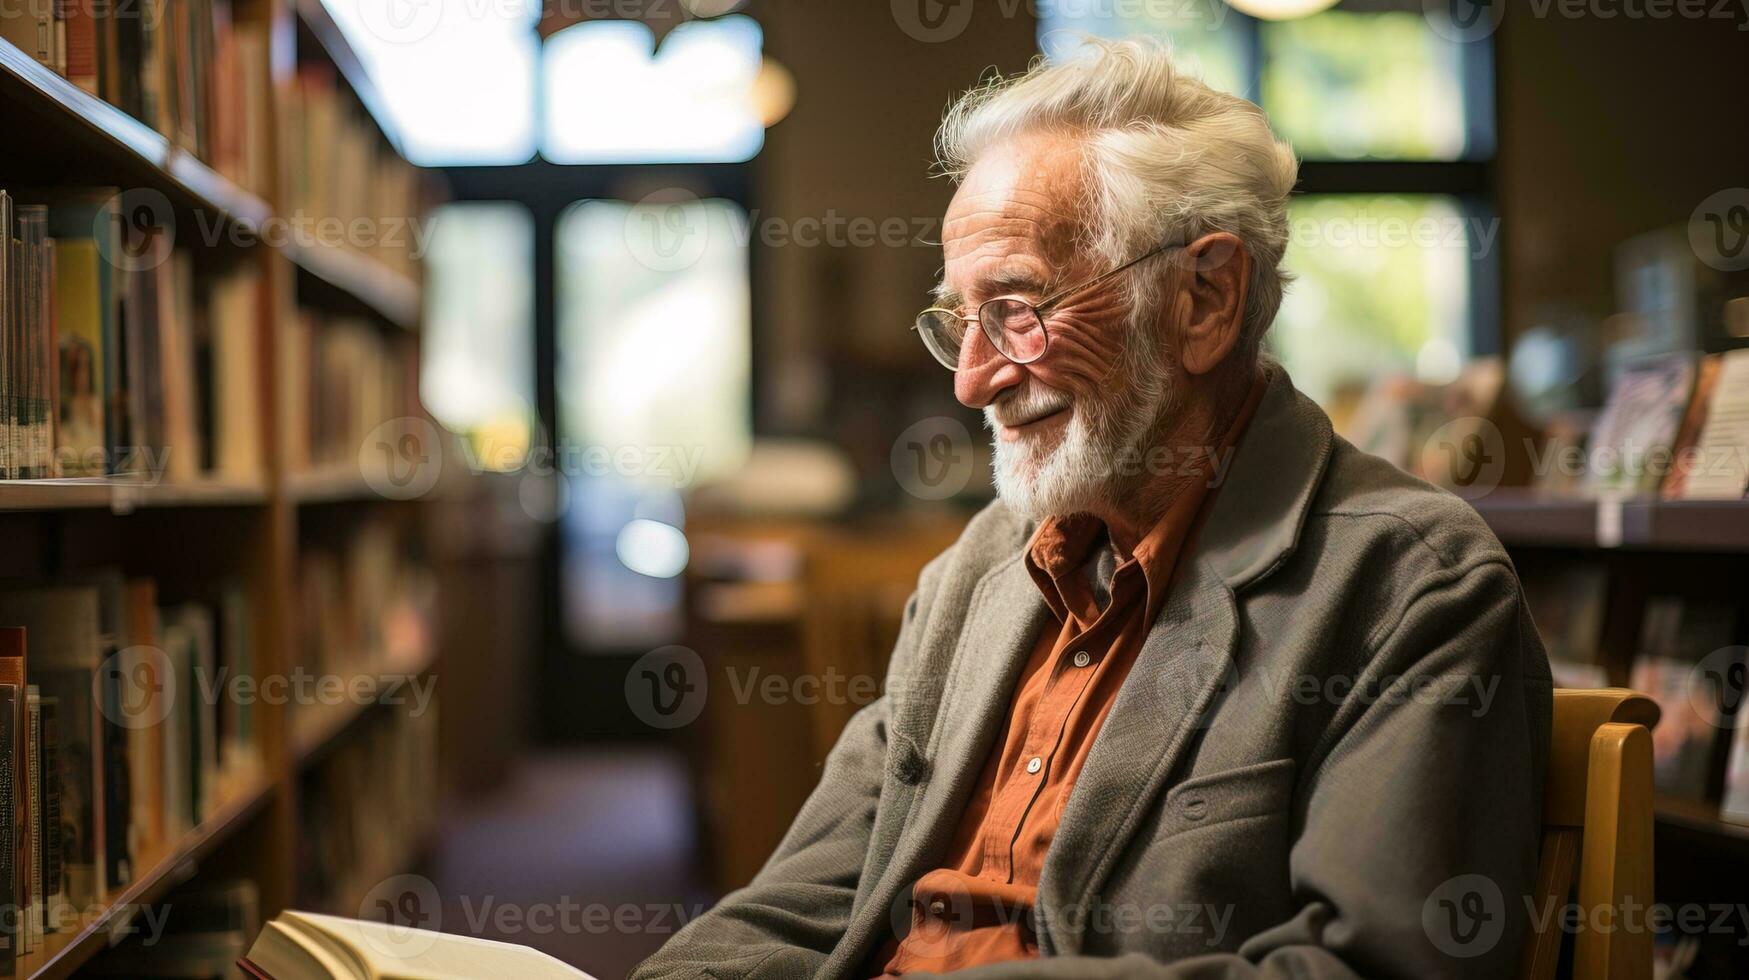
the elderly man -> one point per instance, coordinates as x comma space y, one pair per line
1207, 692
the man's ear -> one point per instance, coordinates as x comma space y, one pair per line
1215, 271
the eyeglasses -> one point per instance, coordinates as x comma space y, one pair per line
1013, 326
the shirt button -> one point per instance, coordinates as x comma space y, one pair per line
938, 908
1082, 658
1034, 764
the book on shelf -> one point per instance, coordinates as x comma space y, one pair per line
121, 356
342, 377
118, 756
190, 69
1736, 797
1712, 458
1681, 641
306, 946
11, 878
1639, 424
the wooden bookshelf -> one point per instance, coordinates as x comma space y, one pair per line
360, 282
1526, 519
323, 726
254, 530
63, 952
122, 496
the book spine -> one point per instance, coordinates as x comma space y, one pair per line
9, 881
32, 928
8, 339
117, 807
81, 27
54, 880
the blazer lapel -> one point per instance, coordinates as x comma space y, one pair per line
1184, 665
1001, 626
1187, 660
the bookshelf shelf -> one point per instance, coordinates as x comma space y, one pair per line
328, 485
123, 496
1525, 519
94, 140
361, 279
321, 26
63, 953
325, 726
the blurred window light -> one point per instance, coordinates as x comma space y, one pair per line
1338, 85
652, 548
693, 100
457, 77
1382, 286
653, 374
477, 371
1207, 36
1343, 86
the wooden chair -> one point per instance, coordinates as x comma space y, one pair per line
1597, 824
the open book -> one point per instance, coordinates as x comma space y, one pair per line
306, 946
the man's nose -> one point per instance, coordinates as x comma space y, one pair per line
983, 372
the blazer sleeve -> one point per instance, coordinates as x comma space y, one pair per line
788, 919
1421, 824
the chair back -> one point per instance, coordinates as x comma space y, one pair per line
1597, 834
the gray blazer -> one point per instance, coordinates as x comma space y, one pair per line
1327, 761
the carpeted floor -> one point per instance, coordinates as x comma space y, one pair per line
586, 855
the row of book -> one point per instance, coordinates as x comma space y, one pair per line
116, 738
1687, 656
364, 608
338, 166
119, 355
1673, 425
188, 68
367, 809
342, 378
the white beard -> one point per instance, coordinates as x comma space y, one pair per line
1099, 456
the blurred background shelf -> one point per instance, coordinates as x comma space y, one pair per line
123, 496
1522, 518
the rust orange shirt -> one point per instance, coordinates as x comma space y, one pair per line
977, 908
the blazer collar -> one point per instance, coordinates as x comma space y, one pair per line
1255, 519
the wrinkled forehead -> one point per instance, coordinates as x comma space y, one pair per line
1020, 196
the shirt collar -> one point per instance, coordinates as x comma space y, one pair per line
1063, 547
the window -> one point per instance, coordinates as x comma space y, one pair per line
477, 375
654, 354
1382, 286
459, 86
1391, 237
689, 101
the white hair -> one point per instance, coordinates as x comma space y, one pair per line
1167, 158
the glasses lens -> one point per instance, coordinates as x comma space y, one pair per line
1015, 328
942, 333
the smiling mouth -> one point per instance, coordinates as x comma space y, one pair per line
1015, 429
